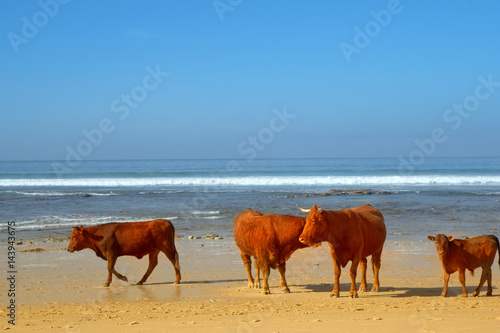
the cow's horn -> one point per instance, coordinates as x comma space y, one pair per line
303, 210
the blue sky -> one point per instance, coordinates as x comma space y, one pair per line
245, 79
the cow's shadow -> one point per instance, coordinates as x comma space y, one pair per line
324, 287
185, 282
396, 292
436, 291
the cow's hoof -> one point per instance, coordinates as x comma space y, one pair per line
266, 292
286, 290
335, 295
489, 293
362, 290
139, 283
375, 290
106, 285
443, 295
177, 282
354, 295
465, 295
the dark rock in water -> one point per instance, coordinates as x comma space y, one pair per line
386, 192
83, 195
339, 192
351, 192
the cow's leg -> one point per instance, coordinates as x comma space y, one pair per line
336, 285
247, 261
119, 276
173, 256
153, 261
376, 262
461, 278
363, 264
111, 271
489, 292
445, 288
484, 276
266, 270
256, 283
352, 272
282, 271
111, 263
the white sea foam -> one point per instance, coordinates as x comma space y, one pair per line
259, 181
55, 194
206, 212
49, 222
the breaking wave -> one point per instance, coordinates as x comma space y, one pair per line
373, 180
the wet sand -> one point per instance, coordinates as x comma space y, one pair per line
64, 292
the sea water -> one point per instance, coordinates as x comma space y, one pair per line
459, 196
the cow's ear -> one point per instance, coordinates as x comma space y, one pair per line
79, 229
431, 238
451, 238
92, 236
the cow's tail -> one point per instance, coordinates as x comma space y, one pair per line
498, 248
177, 261
176, 255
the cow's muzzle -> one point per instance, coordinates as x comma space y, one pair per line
312, 244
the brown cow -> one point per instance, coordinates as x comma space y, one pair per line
270, 239
472, 253
112, 240
353, 234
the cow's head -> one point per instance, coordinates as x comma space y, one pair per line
315, 227
442, 243
80, 239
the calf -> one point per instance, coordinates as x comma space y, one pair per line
112, 240
465, 254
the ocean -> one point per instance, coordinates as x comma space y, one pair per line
459, 196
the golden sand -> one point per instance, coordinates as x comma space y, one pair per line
61, 291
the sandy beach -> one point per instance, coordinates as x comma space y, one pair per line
61, 291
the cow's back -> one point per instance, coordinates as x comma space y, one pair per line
141, 238
476, 251
269, 237
372, 226
251, 231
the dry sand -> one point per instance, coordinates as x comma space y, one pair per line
61, 291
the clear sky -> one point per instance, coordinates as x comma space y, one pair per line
245, 79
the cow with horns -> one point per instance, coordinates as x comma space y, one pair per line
353, 234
